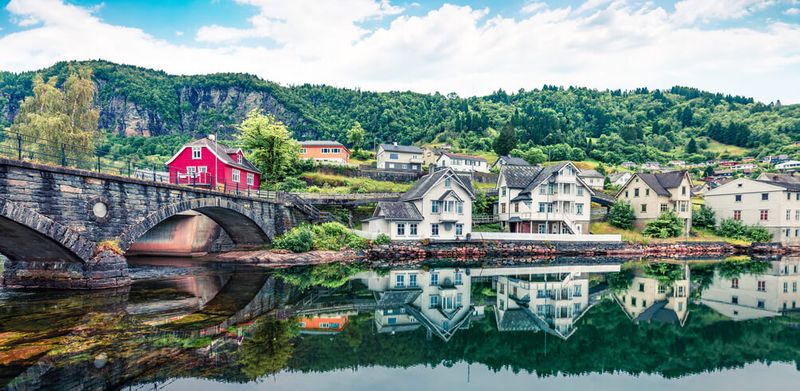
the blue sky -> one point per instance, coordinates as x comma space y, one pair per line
747, 47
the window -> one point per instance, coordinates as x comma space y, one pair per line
764, 196
579, 209
737, 214
447, 182
501, 304
191, 170
434, 278
735, 283
633, 301
760, 304
435, 206
644, 207
503, 191
459, 299
412, 229
542, 229
764, 214
663, 207
646, 192
644, 303
239, 158
434, 301
412, 280
459, 229
401, 229
785, 287
459, 278
542, 190
202, 169
580, 190
434, 229
626, 194
683, 190
460, 207
393, 156
542, 206
197, 153
641, 287
577, 291
251, 179
683, 205
737, 198
636, 192
662, 289
794, 286
734, 299
797, 214
762, 286
501, 288
502, 207
235, 175
516, 207
400, 280
302, 151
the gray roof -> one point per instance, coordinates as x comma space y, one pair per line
522, 197
518, 177
398, 298
658, 313
545, 173
401, 148
223, 151
786, 185
426, 182
320, 143
615, 176
511, 161
465, 157
590, 174
397, 210
517, 319
661, 183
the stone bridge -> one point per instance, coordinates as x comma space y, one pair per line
70, 229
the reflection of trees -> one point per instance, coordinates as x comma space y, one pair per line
701, 277
618, 282
735, 268
269, 348
330, 275
665, 273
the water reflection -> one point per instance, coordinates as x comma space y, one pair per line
568, 316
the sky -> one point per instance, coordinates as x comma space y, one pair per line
470, 47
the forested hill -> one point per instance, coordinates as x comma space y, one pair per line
607, 125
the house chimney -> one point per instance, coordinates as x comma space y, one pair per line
394, 143
212, 137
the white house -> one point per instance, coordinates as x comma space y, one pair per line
652, 194
619, 178
791, 165
509, 161
751, 296
772, 204
551, 199
438, 206
436, 299
593, 178
399, 157
462, 163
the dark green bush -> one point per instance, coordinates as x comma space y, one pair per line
668, 225
382, 239
621, 215
704, 218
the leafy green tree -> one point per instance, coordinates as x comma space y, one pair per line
270, 145
355, 136
691, 146
668, 225
621, 215
505, 141
704, 218
533, 155
60, 121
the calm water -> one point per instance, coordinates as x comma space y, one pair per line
561, 324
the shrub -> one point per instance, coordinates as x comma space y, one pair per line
382, 239
297, 240
730, 228
621, 215
292, 184
704, 218
759, 234
668, 225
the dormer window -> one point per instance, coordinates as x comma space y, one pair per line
197, 153
239, 159
447, 182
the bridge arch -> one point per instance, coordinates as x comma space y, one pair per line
243, 226
32, 237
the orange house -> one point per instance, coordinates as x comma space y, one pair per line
323, 324
325, 151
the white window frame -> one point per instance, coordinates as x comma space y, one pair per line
251, 179
434, 229
197, 153
236, 175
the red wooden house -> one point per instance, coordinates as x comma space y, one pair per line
206, 163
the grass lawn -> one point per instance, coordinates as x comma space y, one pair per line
338, 184
718, 147
483, 186
698, 235
493, 227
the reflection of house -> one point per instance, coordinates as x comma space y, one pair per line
749, 296
399, 157
436, 299
323, 323
652, 194
648, 300
548, 302
551, 199
438, 206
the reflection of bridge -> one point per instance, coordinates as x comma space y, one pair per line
53, 221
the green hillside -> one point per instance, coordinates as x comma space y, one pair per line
572, 123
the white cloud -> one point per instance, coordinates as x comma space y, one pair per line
792, 11
533, 6
613, 44
690, 11
179, 33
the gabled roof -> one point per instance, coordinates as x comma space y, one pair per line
518, 177
658, 313
424, 184
401, 148
617, 175
398, 210
545, 173
220, 151
786, 185
465, 157
511, 161
661, 183
517, 319
590, 174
